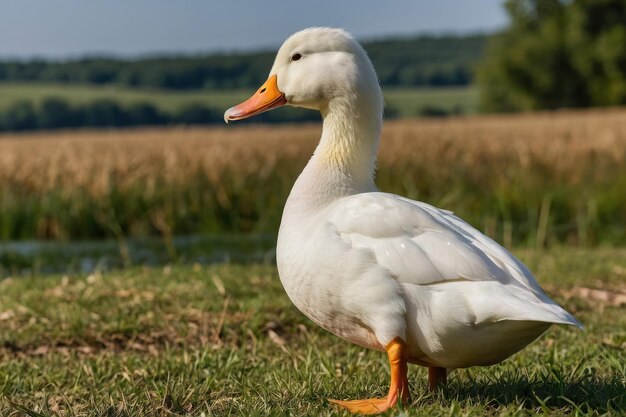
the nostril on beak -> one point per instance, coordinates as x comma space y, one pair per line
263, 90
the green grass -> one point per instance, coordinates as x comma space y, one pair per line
169, 101
412, 101
406, 101
225, 340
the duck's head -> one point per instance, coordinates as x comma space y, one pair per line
315, 68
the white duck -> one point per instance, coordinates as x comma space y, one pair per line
378, 269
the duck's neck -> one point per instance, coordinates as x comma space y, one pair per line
349, 142
345, 159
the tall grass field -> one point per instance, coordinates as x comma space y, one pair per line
531, 180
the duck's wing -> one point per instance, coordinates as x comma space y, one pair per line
422, 245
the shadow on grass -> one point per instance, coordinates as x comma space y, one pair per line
585, 395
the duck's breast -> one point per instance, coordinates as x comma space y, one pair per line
340, 288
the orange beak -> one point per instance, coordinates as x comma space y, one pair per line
267, 97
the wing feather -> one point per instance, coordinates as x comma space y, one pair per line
421, 244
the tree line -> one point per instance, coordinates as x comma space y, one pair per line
58, 113
556, 54
418, 61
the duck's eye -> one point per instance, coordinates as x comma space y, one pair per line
296, 57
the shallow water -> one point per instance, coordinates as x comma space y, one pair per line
25, 258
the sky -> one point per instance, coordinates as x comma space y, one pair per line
72, 28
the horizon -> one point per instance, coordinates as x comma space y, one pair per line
71, 29
232, 52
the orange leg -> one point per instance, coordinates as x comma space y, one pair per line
398, 353
436, 377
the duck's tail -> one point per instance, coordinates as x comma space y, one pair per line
523, 305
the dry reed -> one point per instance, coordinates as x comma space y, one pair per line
535, 177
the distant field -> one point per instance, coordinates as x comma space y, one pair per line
164, 99
534, 179
407, 102
411, 102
